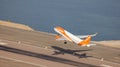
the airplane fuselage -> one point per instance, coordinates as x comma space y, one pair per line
68, 35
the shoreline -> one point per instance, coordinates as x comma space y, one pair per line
15, 25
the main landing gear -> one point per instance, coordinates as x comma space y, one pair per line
65, 42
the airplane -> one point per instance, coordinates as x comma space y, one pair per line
62, 51
67, 36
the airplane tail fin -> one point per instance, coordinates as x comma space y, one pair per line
85, 42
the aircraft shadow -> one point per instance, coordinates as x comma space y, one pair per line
59, 50
43, 56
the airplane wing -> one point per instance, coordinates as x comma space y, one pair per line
84, 36
61, 38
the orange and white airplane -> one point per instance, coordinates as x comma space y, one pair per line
67, 36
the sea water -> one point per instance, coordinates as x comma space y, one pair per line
79, 17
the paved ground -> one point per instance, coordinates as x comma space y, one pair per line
111, 43
26, 48
38, 56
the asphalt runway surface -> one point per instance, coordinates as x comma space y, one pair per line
36, 49
46, 57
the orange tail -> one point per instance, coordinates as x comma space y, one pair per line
85, 42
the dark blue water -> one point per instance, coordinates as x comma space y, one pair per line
77, 16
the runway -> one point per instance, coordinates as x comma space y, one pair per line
33, 49
36, 55
43, 56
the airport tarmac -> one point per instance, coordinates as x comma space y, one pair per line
28, 48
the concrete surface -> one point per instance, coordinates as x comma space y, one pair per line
32, 48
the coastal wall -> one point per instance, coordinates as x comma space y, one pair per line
15, 25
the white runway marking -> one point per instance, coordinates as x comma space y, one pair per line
2, 43
104, 65
23, 61
45, 48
